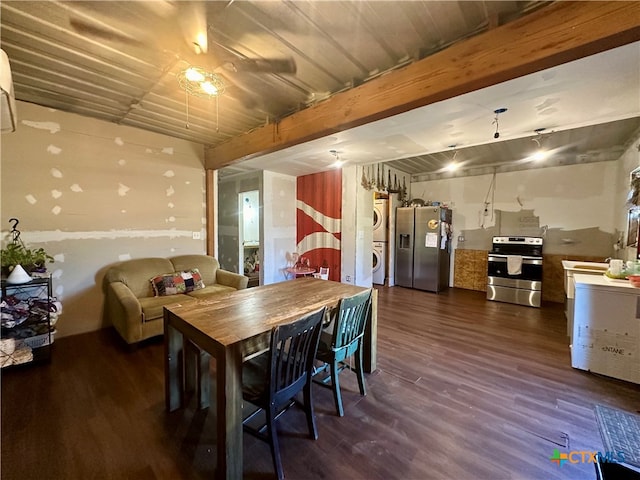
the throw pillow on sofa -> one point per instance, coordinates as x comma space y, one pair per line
177, 282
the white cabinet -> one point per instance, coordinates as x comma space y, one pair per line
606, 327
570, 269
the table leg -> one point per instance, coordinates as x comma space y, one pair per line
203, 385
371, 336
229, 410
173, 374
190, 352
197, 375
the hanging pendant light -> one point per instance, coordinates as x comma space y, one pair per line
337, 163
453, 165
541, 153
495, 121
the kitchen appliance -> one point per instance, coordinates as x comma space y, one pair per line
380, 228
379, 262
423, 247
606, 328
515, 270
572, 268
380, 222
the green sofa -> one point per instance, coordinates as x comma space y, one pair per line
133, 306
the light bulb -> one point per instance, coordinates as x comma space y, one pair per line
539, 155
209, 88
193, 75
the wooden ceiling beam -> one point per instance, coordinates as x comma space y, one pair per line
556, 34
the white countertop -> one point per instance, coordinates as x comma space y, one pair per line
577, 267
582, 279
572, 267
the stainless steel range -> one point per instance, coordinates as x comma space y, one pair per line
515, 270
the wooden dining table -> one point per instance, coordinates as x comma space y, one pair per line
232, 326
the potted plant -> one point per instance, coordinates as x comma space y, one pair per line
32, 260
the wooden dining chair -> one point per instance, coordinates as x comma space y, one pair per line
272, 380
343, 342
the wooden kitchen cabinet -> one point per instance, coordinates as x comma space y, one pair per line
470, 269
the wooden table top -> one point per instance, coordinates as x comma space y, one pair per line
237, 316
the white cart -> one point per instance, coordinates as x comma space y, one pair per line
606, 327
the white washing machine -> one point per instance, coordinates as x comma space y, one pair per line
379, 262
380, 221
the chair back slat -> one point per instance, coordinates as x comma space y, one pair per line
351, 321
293, 349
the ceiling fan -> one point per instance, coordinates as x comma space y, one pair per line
169, 20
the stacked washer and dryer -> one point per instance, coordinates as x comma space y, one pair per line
380, 228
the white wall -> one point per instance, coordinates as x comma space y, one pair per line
93, 193
575, 202
279, 224
357, 229
348, 237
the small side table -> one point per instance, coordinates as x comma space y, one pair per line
293, 272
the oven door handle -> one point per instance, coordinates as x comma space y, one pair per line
525, 259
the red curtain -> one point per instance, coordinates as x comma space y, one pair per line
319, 220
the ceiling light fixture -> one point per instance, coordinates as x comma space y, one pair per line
200, 45
541, 153
338, 163
453, 166
495, 120
198, 82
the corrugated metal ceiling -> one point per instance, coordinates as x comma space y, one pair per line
125, 70
119, 61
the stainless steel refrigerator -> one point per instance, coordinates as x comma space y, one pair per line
423, 247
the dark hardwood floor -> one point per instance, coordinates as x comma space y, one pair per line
465, 389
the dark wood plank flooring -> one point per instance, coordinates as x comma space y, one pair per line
465, 389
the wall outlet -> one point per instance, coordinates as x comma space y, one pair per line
347, 278
196, 235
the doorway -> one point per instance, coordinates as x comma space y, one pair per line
249, 241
